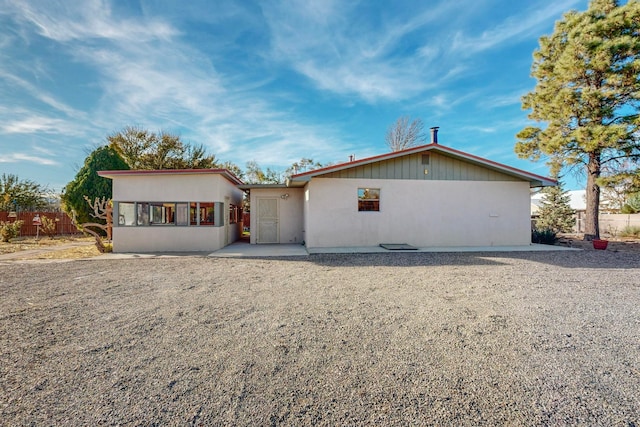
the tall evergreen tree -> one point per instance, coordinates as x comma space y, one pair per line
588, 94
88, 183
556, 213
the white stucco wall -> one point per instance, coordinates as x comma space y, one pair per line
290, 212
174, 188
420, 213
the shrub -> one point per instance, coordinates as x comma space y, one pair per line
49, 226
9, 230
630, 231
544, 236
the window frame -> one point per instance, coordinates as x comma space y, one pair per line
366, 201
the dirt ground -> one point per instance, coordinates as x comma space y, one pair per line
539, 338
616, 244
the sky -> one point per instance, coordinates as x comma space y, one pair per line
271, 81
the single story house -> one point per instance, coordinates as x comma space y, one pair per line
430, 195
174, 210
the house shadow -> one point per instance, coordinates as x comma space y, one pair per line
575, 259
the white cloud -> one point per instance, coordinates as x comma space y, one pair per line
22, 157
91, 19
39, 124
513, 29
340, 55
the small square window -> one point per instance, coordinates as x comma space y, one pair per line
368, 199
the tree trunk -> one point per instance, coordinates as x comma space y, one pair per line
592, 226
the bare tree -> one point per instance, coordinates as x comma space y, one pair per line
405, 133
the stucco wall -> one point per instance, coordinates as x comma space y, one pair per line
167, 239
174, 188
420, 213
290, 224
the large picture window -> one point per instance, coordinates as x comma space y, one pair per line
368, 199
171, 213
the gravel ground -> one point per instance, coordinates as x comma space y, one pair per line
546, 338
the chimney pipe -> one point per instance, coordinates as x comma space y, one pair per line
352, 157
434, 134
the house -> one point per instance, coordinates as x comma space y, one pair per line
174, 210
430, 195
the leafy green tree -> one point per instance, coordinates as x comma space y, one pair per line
588, 94
255, 175
88, 183
142, 149
555, 212
233, 168
21, 194
303, 165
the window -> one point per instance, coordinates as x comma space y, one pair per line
182, 214
233, 214
162, 213
170, 213
193, 214
206, 213
126, 213
368, 199
143, 213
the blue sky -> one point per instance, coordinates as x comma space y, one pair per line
270, 81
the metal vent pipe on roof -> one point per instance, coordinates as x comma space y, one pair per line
434, 134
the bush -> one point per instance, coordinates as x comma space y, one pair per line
545, 236
630, 231
9, 230
49, 226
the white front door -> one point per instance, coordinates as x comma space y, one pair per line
268, 221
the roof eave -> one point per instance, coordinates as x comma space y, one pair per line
128, 172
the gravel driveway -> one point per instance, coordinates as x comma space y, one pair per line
546, 338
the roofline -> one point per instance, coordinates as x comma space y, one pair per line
538, 180
251, 186
128, 172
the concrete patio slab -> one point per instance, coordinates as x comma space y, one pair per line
243, 249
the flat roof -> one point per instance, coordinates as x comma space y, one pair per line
224, 172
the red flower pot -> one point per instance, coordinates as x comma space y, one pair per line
600, 244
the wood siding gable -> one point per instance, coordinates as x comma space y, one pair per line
440, 167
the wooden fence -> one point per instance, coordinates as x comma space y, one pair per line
63, 222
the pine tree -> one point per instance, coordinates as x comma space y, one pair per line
555, 213
588, 94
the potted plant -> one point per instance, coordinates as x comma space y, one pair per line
600, 244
